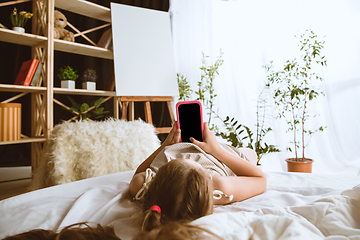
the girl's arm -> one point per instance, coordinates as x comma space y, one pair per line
172, 138
250, 180
139, 176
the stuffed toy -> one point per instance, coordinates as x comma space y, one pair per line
60, 23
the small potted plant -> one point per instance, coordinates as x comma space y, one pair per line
294, 88
18, 20
67, 75
89, 79
85, 112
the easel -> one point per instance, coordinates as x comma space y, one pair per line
128, 101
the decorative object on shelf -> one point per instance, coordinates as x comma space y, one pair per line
10, 121
89, 79
19, 29
295, 86
26, 72
85, 112
106, 40
35, 79
18, 20
67, 75
60, 22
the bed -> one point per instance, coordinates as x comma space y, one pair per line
78, 160
294, 206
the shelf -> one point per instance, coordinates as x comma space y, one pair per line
19, 88
27, 39
84, 92
82, 49
85, 8
24, 140
32, 40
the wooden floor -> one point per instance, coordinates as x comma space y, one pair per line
14, 181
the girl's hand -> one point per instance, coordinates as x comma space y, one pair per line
173, 137
210, 143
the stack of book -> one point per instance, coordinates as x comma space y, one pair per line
29, 73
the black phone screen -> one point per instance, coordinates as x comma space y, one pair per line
190, 121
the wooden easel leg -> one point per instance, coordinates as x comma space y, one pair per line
124, 110
148, 116
131, 111
117, 104
171, 113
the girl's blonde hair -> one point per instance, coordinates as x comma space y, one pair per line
182, 192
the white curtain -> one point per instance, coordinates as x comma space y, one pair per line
252, 33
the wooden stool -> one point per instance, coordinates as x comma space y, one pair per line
129, 101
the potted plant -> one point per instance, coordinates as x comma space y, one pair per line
85, 112
294, 88
18, 20
67, 75
89, 79
234, 133
237, 133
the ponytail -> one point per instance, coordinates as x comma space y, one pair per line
152, 218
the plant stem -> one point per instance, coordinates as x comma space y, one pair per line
303, 125
294, 126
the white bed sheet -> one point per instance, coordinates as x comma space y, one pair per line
294, 206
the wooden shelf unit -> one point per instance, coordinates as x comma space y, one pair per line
43, 47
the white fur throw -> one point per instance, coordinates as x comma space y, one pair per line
85, 149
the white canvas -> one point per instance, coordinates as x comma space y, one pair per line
143, 52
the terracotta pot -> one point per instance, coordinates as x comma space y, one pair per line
296, 166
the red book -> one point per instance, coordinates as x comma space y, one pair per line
26, 72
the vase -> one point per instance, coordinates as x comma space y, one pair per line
19, 29
299, 166
68, 84
89, 86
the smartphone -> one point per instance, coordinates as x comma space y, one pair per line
190, 120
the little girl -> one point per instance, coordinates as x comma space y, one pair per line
181, 182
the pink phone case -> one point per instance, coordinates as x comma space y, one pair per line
201, 115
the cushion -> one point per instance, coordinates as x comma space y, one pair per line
85, 149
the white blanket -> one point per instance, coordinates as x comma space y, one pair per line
294, 206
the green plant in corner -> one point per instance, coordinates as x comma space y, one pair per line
84, 111
67, 73
206, 84
184, 88
235, 133
295, 87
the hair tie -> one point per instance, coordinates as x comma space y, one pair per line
156, 208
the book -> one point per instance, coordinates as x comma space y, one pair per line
37, 73
26, 72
